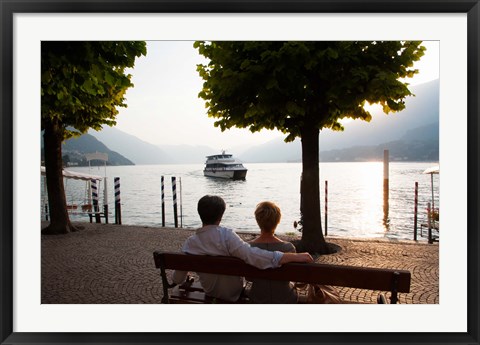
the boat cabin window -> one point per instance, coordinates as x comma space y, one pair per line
216, 157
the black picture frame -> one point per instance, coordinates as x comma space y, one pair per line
10, 7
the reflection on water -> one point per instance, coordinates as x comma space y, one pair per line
355, 195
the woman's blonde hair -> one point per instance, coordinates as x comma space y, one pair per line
268, 216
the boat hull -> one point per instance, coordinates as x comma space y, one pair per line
226, 174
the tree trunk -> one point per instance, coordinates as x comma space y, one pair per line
59, 220
312, 236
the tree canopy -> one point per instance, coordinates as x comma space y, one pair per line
277, 85
302, 87
83, 83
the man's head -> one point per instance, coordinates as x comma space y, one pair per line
268, 216
211, 209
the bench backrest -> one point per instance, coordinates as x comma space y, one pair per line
339, 275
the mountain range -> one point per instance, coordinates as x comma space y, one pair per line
412, 134
73, 151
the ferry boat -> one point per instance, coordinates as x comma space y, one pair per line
224, 166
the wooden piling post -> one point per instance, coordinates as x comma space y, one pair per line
385, 185
45, 197
429, 222
415, 213
162, 179
326, 208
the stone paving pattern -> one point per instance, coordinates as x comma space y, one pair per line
112, 264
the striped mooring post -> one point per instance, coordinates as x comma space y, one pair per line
174, 192
415, 212
326, 207
180, 192
163, 199
118, 208
105, 200
96, 209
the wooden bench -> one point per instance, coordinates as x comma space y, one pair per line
378, 279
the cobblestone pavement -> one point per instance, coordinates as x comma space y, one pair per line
420, 259
113, 264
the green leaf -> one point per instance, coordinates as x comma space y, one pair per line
88, 87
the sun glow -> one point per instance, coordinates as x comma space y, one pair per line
371, 108
371, 190
365, 208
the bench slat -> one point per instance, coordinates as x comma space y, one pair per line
337, 275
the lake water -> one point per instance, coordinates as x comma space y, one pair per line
355, 196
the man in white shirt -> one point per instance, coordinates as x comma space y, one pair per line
213, 239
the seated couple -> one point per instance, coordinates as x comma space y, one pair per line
267, 251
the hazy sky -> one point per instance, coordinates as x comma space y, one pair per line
164, 108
